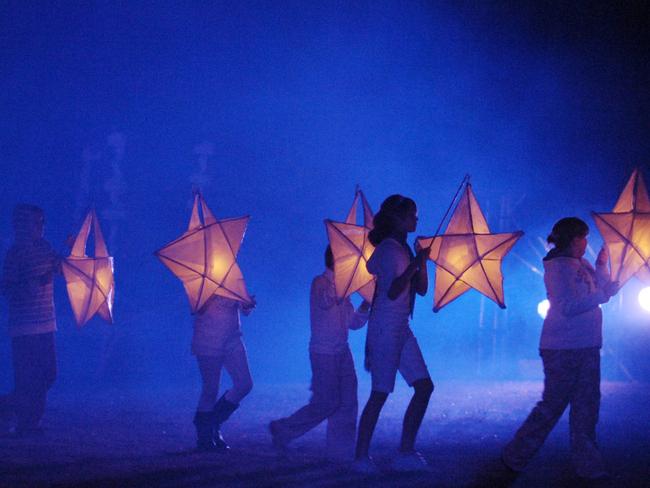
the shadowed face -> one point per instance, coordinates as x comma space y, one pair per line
409, 220
578, 246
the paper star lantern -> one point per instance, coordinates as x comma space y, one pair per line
626, 231
467, 255
351, 250
204, 257
89, 280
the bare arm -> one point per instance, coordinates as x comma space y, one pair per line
417, 267
359, 317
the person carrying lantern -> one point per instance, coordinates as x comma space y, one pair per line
570, 349
217, 343
334, 380
390, 343
27, 284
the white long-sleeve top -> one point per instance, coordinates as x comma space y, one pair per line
330, 318
574, 290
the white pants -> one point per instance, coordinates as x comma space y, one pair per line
334, 397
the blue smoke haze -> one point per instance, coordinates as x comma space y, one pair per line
545, 105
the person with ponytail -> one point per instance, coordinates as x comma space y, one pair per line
570, 349
390, 343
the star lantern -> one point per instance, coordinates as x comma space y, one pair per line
626, 232
204, 257
351, 250
468, 255
89, 280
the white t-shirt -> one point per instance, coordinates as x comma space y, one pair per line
389, 261
330, 318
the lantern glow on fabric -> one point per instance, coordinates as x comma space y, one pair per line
89, 280
467, 255
626, 232
351, 250
204, 257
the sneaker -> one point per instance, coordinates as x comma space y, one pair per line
410, 461
365, 466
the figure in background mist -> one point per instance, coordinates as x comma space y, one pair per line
200, 179
334, 380
570, 350
115, 187
102, 185
217, 343
27, 284
390, 344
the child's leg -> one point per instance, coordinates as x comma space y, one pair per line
583, 417
34, 360
368, 421
559, 381
342, 424
324, 401
383, 359
210, 369
415, 372
236, 364
415, 413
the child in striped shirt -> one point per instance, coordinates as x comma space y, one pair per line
26, 283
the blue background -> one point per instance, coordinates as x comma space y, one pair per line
544, 104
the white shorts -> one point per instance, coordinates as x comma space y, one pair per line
391, 352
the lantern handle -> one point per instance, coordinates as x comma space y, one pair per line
463, 183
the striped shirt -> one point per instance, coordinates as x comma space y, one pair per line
28, 288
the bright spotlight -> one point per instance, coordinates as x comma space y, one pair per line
644, 298
544, 305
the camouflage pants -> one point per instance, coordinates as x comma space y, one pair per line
571, 377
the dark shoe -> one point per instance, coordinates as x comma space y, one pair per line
221, 412
219, 441
203, 424
279, 444
223, 409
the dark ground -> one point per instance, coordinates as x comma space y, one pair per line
143, 438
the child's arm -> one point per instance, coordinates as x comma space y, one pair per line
416, 267
247, 308
14, 280
602, 268
321, 294
358, 318
563, 284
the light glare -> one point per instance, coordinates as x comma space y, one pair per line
644, 298
542, 308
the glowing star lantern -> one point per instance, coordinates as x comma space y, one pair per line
467, 255
89, 280
626, 232
351, 250
204, 257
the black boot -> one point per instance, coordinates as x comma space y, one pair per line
203, 423
222, 410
